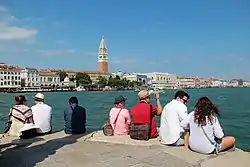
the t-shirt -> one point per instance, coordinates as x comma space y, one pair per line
197, 139
141, 115
172, 115
42, 117
122, 124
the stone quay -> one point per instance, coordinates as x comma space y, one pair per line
96, 150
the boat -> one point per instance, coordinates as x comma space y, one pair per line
80, 89
153, 90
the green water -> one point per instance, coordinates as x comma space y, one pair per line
233, 102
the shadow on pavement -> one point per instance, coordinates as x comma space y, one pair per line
30, 156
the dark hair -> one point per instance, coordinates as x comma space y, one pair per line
73, 100
204, 109
19, 100
180, 94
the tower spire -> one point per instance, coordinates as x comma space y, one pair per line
103, 57
103, 44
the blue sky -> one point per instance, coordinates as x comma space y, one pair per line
195, 38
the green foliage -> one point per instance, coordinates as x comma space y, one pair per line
102, 80
62, 75
118, 82
83, 78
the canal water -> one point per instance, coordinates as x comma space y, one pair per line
234, 104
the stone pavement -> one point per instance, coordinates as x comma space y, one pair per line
96, 150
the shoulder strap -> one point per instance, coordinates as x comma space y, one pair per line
207, 136
150, 120
117, 117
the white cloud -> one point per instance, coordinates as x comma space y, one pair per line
56, 52
10, 32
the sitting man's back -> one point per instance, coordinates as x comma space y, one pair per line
75, 118
42, 115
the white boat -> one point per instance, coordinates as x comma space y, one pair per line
152, 91
80, 89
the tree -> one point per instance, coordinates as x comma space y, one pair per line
102, 80
72, 79
62, 75
83, 78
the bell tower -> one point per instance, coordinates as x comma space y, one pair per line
103, 57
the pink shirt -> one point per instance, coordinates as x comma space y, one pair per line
123, 121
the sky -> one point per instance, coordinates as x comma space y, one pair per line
188, 38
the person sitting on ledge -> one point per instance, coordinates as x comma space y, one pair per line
119, 117
171, 132
141, 113
75, 118
206, 134
42, 115
21, 123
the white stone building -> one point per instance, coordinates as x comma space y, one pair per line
10, 76
185, 82
143, 79
162, 80
216, 83
30, 77
48, 79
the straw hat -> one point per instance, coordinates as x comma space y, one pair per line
143, 94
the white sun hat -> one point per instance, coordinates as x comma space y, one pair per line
39, 96
28, 127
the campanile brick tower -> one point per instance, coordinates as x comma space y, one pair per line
103, 57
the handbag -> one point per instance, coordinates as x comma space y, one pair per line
141, 131
107, 127
213, 143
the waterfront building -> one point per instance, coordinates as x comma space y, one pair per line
103, 57
233, 83
49, 79
67, 83
185, 82
246, 83
162, 80
202, 82
30, 77
142, 79
216, 83
10, 76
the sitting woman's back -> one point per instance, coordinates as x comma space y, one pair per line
20, 114
119, 117
205, 129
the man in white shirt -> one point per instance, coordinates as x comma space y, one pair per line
171, 132
42, 115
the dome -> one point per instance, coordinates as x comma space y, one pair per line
66, 79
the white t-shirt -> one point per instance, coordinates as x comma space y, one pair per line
197, 139
170, 129
42, 117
